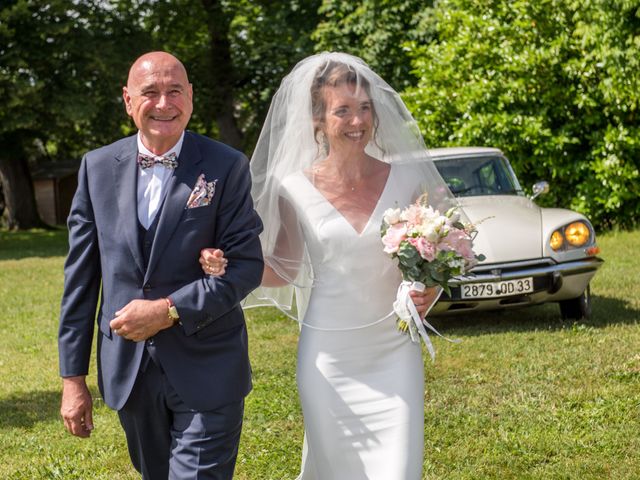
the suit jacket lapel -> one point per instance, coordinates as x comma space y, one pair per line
179, 188
125, 170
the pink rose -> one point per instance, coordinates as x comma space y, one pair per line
458, 241
394, 236
426, 249
412, 214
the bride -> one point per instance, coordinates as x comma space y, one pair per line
337, 149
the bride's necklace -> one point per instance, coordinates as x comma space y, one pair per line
348, 186
351, 186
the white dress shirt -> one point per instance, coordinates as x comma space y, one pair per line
152, 183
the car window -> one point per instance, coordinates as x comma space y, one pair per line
478, 175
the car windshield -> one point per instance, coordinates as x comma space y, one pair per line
475, 175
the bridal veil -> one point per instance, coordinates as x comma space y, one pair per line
289, 144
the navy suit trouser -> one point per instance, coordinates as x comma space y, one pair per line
167, 440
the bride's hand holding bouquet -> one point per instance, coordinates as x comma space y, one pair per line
431, 248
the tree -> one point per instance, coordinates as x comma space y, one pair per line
62, 66
236, 53
267, 39
555, 84
376, 31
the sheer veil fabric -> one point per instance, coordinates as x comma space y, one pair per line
286, 151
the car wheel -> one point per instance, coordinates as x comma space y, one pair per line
577, 308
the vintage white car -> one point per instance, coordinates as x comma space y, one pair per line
533, 255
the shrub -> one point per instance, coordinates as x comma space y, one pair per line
554, 84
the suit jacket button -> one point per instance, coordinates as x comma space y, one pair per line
146, 288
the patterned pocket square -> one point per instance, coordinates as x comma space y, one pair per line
202, 194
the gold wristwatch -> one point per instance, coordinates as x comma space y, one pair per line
172, 311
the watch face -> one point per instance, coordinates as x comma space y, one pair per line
173, 312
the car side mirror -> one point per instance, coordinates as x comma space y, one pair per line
540, 188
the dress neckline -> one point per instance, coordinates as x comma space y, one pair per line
341, 215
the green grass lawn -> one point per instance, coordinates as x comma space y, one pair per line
524, 396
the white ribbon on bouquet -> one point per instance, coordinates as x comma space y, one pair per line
406, 311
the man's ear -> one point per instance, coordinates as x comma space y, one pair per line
127, 100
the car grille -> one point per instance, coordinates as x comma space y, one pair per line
512, 266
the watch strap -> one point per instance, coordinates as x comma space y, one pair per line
172, 311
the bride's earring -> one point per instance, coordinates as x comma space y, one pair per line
324, 144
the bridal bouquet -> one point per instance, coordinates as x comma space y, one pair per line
431, 248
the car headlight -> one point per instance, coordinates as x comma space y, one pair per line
557, 240
577, 234
574, 235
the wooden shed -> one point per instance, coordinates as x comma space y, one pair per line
54, 185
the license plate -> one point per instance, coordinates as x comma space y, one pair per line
497, 289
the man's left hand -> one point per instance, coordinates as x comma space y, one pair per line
141, 319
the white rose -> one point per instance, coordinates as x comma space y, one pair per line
430, 213
431, 232
454, 215
391, 216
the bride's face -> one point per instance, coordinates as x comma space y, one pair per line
348, 119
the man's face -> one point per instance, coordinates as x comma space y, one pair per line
158, 97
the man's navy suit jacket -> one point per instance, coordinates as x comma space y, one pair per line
205, 357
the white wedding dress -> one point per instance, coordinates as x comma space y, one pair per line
360, 380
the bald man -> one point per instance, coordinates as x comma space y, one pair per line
172, 342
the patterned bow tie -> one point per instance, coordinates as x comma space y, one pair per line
146, 161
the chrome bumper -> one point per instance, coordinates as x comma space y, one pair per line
552, 282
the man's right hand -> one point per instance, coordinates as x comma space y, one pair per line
76, 407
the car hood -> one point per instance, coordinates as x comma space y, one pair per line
508, 227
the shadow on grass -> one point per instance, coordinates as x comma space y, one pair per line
23, 410
33, 243
26, 409
605, 311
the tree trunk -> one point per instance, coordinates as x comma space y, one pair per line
222, 74
19, 197
1, 199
